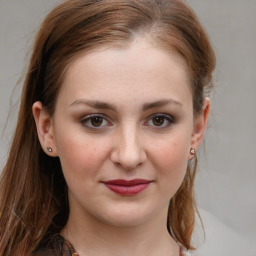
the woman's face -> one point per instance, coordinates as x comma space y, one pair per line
123, 128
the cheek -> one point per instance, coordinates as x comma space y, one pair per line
171, 155
171, 159
80, 157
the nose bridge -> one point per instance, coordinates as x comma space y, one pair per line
129, 151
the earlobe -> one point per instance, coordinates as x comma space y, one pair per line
200, 124
44, 128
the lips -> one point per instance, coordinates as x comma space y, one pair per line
127, 187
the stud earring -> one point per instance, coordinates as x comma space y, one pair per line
192, 151
49, 149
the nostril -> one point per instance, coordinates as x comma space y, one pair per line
128, 159
128, 148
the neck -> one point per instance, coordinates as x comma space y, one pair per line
91, 237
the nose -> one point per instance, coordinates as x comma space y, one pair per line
128, 151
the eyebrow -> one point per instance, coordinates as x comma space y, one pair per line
103, 105
160, 103
94, 104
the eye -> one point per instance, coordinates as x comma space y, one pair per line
160, 120
95, 121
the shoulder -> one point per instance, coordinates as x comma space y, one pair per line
184, 252
50, 247
44, 253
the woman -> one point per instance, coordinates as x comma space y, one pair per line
113, 110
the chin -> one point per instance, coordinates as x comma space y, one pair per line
124, 221
128, 216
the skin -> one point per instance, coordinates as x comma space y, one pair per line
129, 143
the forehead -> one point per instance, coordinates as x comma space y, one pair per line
138, 68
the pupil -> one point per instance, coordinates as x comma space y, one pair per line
158, 121
96, 121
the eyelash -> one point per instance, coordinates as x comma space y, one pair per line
89, 118
168, 120
87, 121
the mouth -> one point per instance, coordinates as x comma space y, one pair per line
127, 187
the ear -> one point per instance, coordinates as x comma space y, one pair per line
45, 129
200, 124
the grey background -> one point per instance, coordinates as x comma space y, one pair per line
226, 183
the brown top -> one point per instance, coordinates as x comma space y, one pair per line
59, 246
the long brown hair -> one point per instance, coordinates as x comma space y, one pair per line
33, 192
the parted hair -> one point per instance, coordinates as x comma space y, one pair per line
33, 192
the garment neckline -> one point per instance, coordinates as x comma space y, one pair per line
182, 250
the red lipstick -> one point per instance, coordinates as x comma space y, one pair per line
127, 187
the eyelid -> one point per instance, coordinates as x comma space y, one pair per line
171, 120
88, 117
